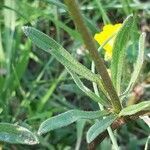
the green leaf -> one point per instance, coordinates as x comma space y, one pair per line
138, 65
99, 127
86, 90
133, 109
51, 46
119, 52
15, 134
67, 118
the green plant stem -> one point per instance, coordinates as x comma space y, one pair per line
90, 44
113, 138
110, 132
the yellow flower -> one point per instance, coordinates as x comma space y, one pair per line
108, 31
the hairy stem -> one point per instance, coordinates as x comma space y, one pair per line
90, 44
116, 125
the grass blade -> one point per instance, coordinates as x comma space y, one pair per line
70, 31
57, 3
88, 22
2, 55
10, 23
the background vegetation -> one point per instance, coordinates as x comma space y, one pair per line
35, 86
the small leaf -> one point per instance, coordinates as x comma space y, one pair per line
119, 52
99, 127
51, 46
15, 134
86, 90
67, 118
138, 65
133, 109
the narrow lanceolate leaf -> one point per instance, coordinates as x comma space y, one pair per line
138, 65
51, 46
86, 90
67, 118
15, 134
133, 109
99, 127
119, 52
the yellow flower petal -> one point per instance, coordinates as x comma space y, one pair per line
108, 31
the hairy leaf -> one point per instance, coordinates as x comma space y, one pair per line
15, 134
51, 46
119, 52
86, 90
133, 109
99, 127
138, 65
67, 118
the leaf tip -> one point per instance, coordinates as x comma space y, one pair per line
25, 30
39, 132
130, 16
88, 138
